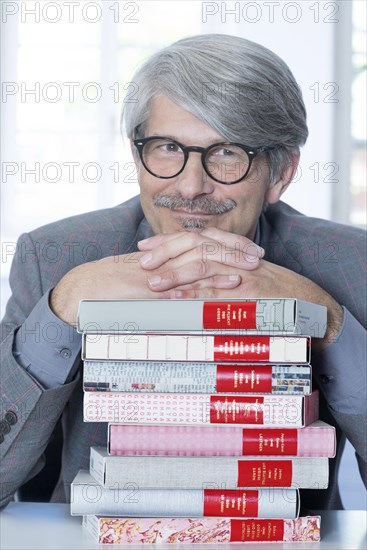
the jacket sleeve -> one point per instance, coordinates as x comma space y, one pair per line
340, 371
56, 361
29, 411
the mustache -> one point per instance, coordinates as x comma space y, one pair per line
202, 204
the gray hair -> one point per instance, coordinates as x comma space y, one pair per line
239, 88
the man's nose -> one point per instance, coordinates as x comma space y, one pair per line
194, 181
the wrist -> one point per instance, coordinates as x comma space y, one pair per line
335, 317
63, 302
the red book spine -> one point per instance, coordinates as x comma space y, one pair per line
265, 473
247, 348
229, 315
244, 378
261, 530
230, 503
236, 409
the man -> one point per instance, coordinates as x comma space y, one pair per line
215, 136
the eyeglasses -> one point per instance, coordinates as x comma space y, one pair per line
224, 162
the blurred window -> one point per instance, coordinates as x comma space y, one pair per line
358, 169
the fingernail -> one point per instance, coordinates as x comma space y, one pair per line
251, 258
253, 250
233, 277
146, 258
144, 241
155, 280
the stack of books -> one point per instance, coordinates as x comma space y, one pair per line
212, 422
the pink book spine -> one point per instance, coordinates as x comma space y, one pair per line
176, 408
113, 530
128, 440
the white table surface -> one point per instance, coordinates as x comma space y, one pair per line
39, 526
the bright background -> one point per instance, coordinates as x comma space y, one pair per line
67, 69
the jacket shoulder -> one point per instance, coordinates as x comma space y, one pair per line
54, 249
124, 217
291, 225
331, 254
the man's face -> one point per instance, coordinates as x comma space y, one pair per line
192, 200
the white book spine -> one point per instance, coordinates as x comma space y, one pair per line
88, 497
184, 347
150, 472
261, 316
173, 377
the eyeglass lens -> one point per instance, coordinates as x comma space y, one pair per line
165, 158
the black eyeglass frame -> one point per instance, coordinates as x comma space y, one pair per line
251, 153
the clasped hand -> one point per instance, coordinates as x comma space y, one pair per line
213, 264
210, 264
193, 265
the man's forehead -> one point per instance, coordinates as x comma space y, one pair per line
169, 119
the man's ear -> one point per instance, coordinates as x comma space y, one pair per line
277, 187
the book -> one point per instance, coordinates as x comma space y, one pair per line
262, 315
114, 530
153, 376
195, 347
184, 472
241, 367
317, 439
89, 497
185, 408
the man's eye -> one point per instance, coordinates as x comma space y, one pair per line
221, 152
224, 152
170, 147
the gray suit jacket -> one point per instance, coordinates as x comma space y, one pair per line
330, 254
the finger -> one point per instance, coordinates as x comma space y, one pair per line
226, 238
176, 245
216, 281
190, 294
156, 240
245, 245
216, 252
189, 273
187, 247
213, 251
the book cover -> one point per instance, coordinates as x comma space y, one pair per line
195, 347
89, 497
317, 439
169, 472
172, 377
113, 530
185, 408
262, 315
